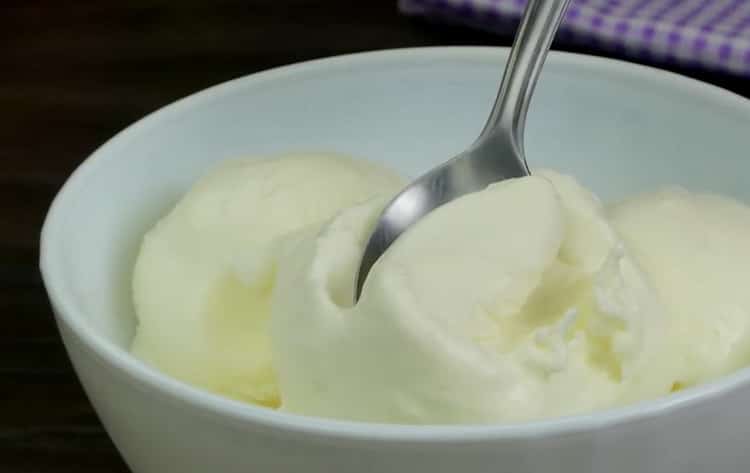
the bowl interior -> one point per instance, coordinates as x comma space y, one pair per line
620, 128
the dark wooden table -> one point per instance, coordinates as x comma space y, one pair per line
74, 73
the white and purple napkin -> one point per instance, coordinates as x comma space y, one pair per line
697, 33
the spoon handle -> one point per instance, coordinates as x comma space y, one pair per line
539, 24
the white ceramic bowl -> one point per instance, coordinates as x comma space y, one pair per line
621, 128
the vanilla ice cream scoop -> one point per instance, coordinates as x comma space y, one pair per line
205, 272
696, 250
465, 320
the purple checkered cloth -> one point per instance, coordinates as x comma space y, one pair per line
698, 33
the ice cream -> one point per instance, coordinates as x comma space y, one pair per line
696, 251
524, 301
205, 272
497, 307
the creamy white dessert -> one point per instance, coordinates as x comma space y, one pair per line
524, 301
205, 273
696, 250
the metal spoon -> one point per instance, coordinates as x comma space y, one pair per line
498, 152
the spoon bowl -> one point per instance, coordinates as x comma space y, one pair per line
617, 145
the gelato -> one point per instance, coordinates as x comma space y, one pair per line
205, 273
527, 300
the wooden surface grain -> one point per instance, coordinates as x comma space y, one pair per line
74, 73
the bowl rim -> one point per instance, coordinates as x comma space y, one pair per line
228, 410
